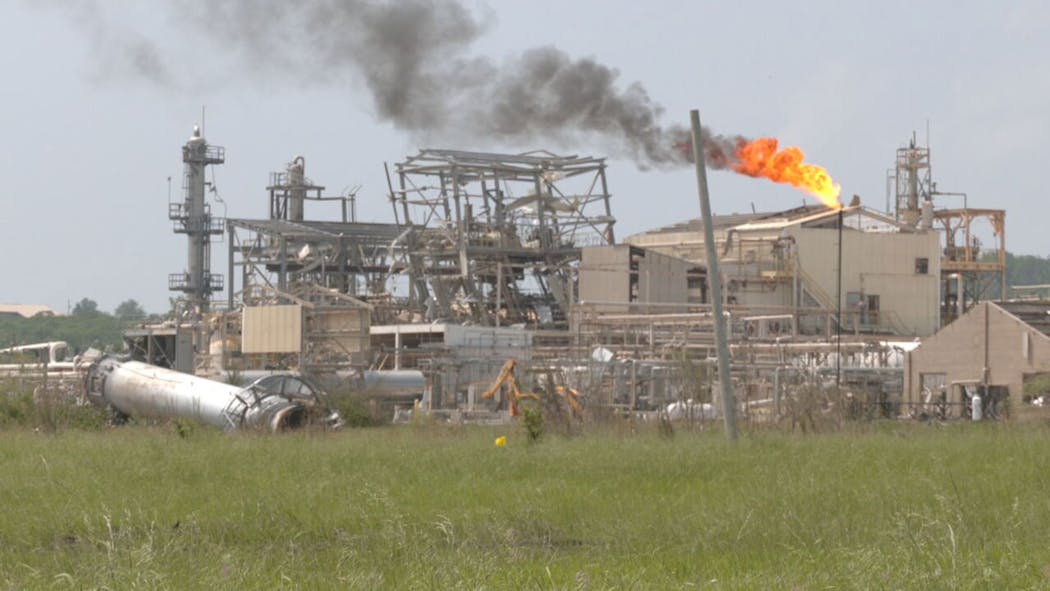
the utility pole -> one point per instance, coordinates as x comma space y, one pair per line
714, 281
838, 296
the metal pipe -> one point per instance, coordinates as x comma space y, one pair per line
232, 232
137, 389
776, 392
714, 281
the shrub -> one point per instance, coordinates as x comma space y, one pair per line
356, 410
532, 420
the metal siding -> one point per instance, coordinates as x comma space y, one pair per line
272, 329
882, 264
348, 327
662, 279
605, 274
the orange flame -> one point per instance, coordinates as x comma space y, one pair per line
760, 158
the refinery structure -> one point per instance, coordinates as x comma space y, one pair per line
496, 267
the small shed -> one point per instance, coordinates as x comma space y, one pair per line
996, 349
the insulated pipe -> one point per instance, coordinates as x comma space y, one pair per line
138, 389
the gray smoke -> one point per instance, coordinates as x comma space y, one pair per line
719, 150
544, 93
409, 54
413, 57
117, 52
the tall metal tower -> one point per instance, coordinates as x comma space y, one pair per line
193, 218
914, 186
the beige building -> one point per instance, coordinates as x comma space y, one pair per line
26, 310
790, 259
628, 274
1000, 345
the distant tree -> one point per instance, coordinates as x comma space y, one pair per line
1027, 270
81, 331
1021, 269
85, 307
129, 310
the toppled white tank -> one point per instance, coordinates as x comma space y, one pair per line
136, 389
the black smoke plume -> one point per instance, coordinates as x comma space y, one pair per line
413, 56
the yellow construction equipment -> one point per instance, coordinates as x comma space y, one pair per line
506, 377
572, 398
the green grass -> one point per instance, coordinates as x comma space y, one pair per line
899, 507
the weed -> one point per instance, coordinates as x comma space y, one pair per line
532, 421
356, 410
664, 425
184, 427
29, 405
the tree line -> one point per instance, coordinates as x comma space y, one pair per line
1027, 270
86, 326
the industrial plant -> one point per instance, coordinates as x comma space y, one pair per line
500, 276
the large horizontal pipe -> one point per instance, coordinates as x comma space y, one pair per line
395, 383
137, 389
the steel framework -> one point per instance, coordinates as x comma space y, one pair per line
351, 258
970, 270
496, 238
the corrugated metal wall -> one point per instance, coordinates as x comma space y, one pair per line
662, 279
272, 329
605, 275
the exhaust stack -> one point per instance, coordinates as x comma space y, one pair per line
138, 389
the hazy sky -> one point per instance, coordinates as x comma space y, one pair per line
98, 98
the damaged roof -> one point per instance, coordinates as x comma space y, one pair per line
811, 216
736, 219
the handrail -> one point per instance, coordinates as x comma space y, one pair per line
815, 290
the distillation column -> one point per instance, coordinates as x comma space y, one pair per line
193, 218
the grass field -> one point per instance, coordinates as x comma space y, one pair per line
912, 506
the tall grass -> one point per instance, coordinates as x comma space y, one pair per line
25, 403
900, 507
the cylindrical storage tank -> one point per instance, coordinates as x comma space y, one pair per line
976, 412
141, 390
